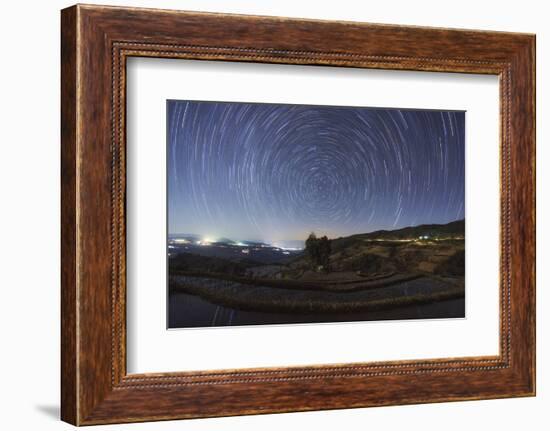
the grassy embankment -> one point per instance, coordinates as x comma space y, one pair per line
269, 299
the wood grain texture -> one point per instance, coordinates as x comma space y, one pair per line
69, 396
96, 41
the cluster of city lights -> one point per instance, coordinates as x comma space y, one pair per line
246, 248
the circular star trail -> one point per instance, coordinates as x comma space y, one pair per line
277, 172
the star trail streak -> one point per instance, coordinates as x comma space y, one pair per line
277, 172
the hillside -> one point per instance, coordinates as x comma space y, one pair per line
452, 229
436, 249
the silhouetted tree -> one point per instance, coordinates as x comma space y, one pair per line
312, 248
318, 250
324, 253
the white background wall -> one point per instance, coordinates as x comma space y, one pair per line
29, 215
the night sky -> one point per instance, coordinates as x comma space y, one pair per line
271, 172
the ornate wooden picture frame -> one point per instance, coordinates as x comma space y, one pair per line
96, 41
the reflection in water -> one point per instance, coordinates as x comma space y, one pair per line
187, 311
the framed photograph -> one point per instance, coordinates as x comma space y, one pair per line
266, 215
277, 200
